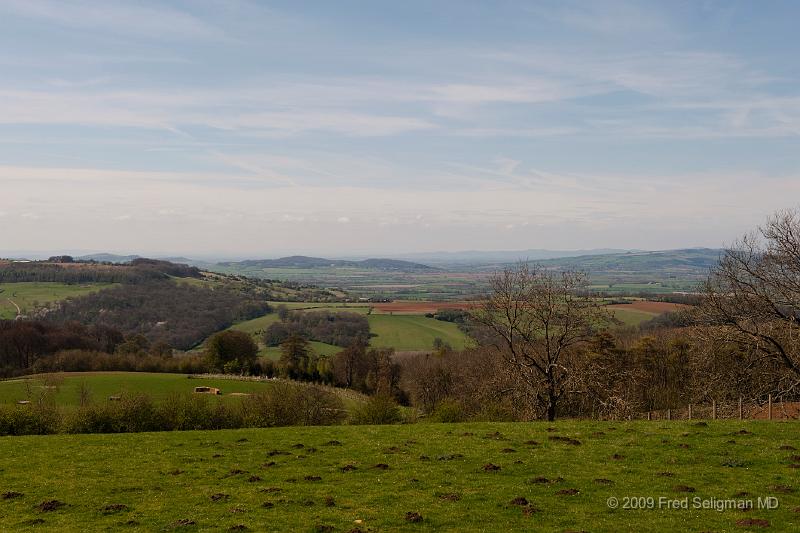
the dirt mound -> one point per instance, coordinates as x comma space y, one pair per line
348, 468
683, 488
115, 508
413, 517
568, 492
10, 495
450, 497
752, 522
565, 440
50, 505
219, 497
519, 500
489, 467
185, 522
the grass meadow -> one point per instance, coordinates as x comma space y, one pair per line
422, 477
32, 294
66, 391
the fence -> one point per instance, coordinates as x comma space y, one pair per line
770, 410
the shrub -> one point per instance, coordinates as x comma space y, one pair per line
449, 411
286, 404
379, 409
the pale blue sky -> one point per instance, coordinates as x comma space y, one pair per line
262, 128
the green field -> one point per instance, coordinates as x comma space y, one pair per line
401, 332
105, 384
215, 480
413, 332
30, 295
632, 317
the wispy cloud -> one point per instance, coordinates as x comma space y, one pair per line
153, 21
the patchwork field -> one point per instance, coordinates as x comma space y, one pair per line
639, 311
24, 297
444, 477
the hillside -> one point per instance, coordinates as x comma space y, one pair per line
687, 261
301, 261
419, 477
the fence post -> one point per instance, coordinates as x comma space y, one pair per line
649, 416
713, 409
669, 414
690, 411
769, 407
740, 408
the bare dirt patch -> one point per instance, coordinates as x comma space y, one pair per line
115, 508
50, 505
10, 495
752, 522
413, 517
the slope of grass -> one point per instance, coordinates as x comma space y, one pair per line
217, 480
30, 295
632, 317
105, 384
413, 332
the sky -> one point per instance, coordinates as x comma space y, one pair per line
257, 129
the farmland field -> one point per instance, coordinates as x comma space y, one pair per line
105, 384
636, 312
32, 294
413, 332
298, 478
403, 331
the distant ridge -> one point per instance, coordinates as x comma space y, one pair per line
502, 256
302, 261
688, 260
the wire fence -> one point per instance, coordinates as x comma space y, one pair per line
741, 410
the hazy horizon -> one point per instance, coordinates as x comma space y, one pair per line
253, 129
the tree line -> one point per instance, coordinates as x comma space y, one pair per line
64, 269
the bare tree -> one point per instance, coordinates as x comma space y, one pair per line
753, 297
536, 321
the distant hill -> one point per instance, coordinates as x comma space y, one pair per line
108, 258
501, 256
301, 261
692, 261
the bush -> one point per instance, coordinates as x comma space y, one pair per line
34, 419
287, 404
284, 404
379, 409
449, 411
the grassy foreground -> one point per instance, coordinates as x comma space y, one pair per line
298, 479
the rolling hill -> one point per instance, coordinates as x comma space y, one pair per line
302, 261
